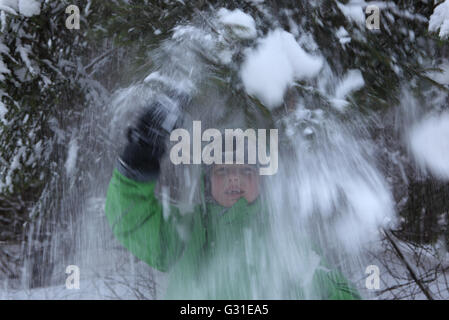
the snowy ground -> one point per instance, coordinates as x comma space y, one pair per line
102, 288
140, 282
134, 280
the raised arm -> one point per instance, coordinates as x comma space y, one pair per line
132, 209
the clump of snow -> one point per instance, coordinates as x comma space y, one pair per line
72, 154
225, 56
25, 51
440, 20
352, 81
442, 76
182, 85
4, 49
274, 65
29, 8
307, 41
353, 11
241, 24
3, 70
9, 6
3, 112
429, 142
15, 163
154, 76
343, 36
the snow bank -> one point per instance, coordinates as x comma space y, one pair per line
275, 64
241, 24
440, 20
429, 142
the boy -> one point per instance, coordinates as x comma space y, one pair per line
207, 252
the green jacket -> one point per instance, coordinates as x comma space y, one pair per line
212, 252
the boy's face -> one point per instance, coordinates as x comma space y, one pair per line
230, 182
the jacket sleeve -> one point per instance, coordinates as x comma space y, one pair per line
341, 288
334, 286
136, 218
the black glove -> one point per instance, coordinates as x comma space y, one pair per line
146, 141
